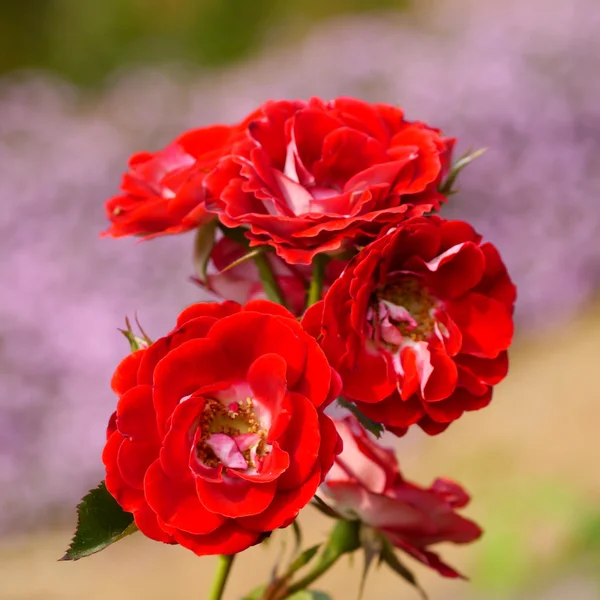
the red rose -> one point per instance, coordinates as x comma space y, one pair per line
365, 483
219, 434
242, 282
313, 176
418, 324
162, 192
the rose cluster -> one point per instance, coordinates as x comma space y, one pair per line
314, 230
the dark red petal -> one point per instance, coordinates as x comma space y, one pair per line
316, 385
128, 497
311, 320
456, 271
370, 379
135, 414
177, 504
133, 460
431, 427
331, 443
208, 309
125, 376
267, 378
235, 497
451, 492
227, 539
145, 519
266, 307
393, 411
301, 441
262, 334
485, 323
179, 438
443, 378
193, 365
431, 559
285, 506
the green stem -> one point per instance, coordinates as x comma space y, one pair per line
268, 279
220, 577
302, 584
316, 283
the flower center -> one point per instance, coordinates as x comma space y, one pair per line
231, 435
403, 311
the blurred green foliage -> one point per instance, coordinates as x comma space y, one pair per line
84, 40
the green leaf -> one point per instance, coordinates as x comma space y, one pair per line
324, 508
244, 258
390, 558
297, 537
309, 595
268, 279
256, 593
135, 341
303, 559
100, 523
375, 428
372, 544
203, 245
467, 158
344, 539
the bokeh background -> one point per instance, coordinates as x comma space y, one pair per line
84, 84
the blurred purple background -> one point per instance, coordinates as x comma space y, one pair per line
520, 78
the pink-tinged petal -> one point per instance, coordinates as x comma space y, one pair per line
135, 414
245, 441
226, 451
358, 465
297, 197
373, 509
228, 539
268, 468
301, 441
133, 460
235, 497
177, 504
125, 376
193, 365
451, 492
285, 506
147, 522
